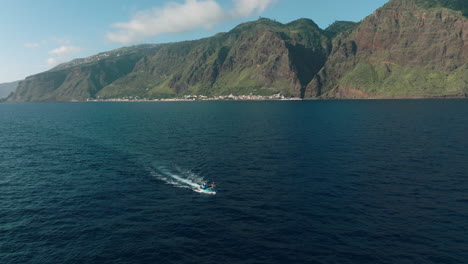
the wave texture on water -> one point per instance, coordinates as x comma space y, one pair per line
378, 181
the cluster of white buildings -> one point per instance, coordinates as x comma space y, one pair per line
198, 98
277, 96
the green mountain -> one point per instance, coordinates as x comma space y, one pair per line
7, 88
340, 26
81, 78
407, 48
458, 5
261, 57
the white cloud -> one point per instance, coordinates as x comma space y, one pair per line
62, 54
32, 45
245, 8
53, 61
173, 18
176, 18
65, 51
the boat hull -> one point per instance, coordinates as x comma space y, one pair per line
212, 192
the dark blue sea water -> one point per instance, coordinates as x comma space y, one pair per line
379, 181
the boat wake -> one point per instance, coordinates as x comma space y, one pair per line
177, 177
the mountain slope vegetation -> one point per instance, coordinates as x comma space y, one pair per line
261, 57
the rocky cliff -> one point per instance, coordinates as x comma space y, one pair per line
407, 48
80, 79
261, 57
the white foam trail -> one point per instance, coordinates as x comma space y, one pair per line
178, 177
186, 181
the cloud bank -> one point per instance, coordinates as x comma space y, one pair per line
177, 18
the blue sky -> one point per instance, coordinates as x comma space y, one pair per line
37, 35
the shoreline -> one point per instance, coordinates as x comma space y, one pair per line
194, 98
270, 99
185, 100
255, 98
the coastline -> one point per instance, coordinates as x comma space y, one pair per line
276, 97
191, 98
267, 98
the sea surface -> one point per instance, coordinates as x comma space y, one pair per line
366, 181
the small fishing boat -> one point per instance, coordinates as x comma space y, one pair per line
204, 188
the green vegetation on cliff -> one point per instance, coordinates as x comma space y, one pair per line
340, 26
458, 5
80, 79
386, 80
262, 57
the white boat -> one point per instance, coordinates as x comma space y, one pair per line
206, 191
204, 188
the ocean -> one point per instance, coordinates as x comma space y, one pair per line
351, 181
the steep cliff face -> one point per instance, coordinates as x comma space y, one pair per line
79, 79
407, 48
260, 57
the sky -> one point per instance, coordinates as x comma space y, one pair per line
38, 35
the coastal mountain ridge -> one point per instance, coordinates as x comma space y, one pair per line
7, 88
407, 48
261, 57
